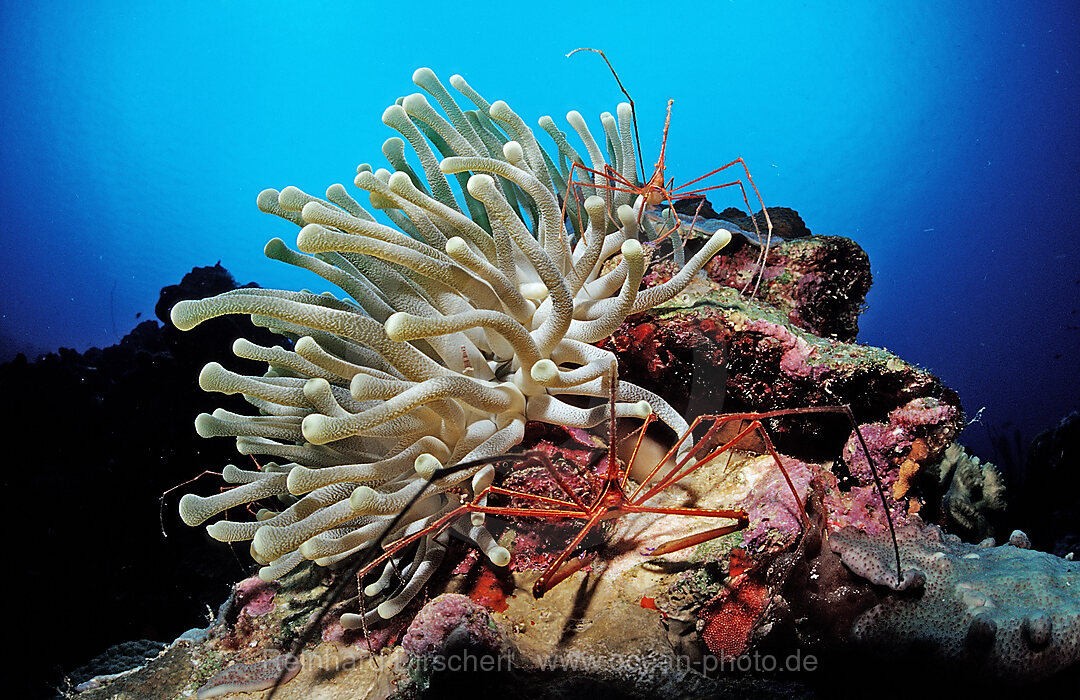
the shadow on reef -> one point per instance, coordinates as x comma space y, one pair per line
1044, 484
98, 436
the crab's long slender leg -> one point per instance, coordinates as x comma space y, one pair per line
543, 460
166, 492
570, 568
637, 446
675, 475
612, 175
513, 493
688, 434
550, 578
758, 417
696, 539
394, 547
763, 256
633, 112
754, 426
529, 512
737, 513
672, 451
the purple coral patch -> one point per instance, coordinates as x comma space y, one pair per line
796, 351
451, 620
890, 442
255, 597
775, 518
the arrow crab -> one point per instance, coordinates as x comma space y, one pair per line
603, 491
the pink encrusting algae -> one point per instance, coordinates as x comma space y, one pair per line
255, 597
451, 617
796, 351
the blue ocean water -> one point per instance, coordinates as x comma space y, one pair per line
941, 136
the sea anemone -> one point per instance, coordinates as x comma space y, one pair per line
471, 317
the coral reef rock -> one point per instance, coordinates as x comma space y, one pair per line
709, 349
1002, 612
819, 282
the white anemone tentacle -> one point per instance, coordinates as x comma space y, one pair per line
463, 317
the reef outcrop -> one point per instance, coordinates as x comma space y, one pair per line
819, 282
775, 591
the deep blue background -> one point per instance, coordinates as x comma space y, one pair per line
942, 136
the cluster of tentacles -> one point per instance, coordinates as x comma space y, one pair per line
467, 317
